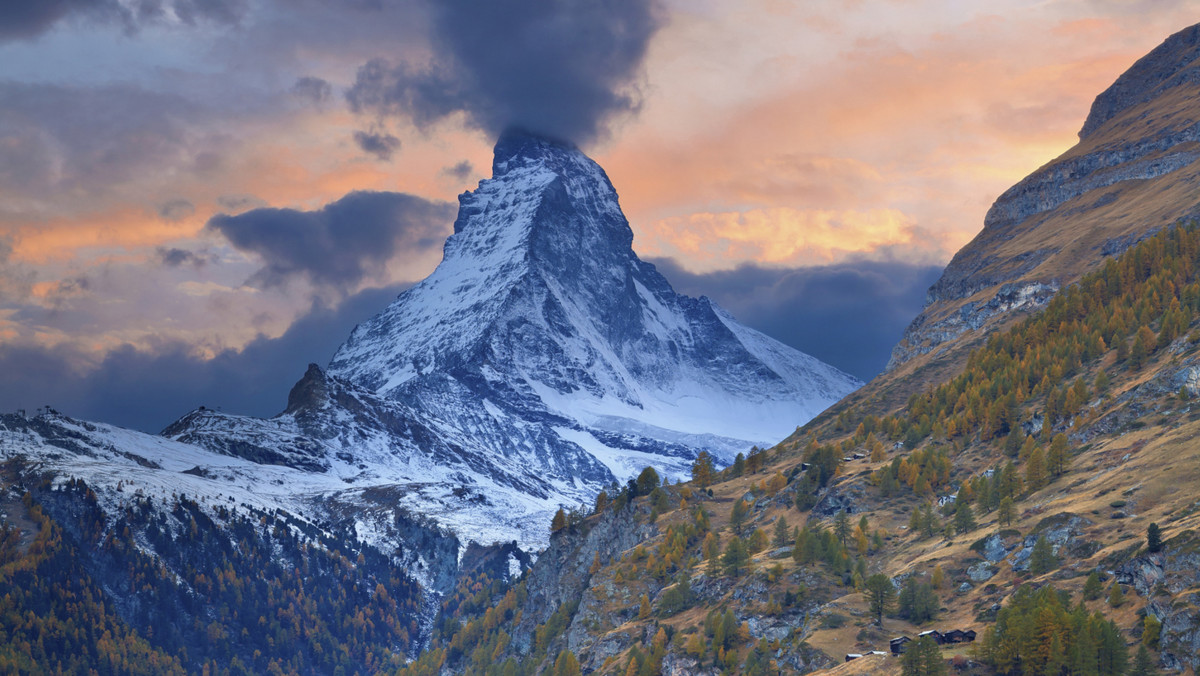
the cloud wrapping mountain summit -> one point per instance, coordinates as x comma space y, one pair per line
563, 69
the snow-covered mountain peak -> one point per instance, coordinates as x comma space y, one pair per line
541, 307
539, 363
548, 207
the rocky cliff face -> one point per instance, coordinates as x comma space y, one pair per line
1131, 174
1171, 65
1170, 579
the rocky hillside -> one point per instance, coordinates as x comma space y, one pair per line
1131, 174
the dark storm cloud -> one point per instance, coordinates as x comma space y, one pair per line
339, 244
459, 172
147, 391
563, 68
312, 89
30, 18
174, 258
848, 315
26, 19
379, 144
240, 202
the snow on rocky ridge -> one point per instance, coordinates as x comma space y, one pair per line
540, 362
540, 312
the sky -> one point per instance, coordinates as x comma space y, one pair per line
200, 197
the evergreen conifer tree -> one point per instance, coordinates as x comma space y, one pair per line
739, 466
1092, 588
1056, 456
1042, 559
737, 516
1116, 596
841, 526
881, 595
736, 557
1153, 538
964, 518
1007, 511
1143, 663
783, 534
923, 658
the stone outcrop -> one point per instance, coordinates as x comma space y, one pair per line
1063, 531
562, 575
1171, 64
1169, 579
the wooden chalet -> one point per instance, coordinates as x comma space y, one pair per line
959, 636
934, 634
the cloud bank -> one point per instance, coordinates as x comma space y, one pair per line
848, 315
340, 244
147, 389
27, 19
562, 68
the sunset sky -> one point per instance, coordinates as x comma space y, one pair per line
178, 217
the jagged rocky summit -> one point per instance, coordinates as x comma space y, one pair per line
544, 339
1132, 173
540, 362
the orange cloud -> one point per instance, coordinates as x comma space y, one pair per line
933, 126
120, 228
300, 161
784, 236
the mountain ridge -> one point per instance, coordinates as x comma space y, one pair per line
1138, 148
470, 422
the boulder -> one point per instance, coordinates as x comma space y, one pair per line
981, 572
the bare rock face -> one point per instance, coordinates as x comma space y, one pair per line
1128, 177
1168, 579
981, 572
563, 576
1170, 65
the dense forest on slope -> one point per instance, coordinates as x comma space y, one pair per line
957, 510
166, 587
